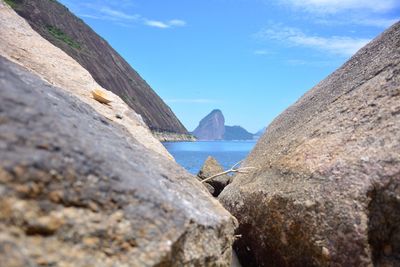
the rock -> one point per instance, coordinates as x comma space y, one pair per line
326, 189
212, 167
77, 190
21, 44
211, 127
102, 97
51, 20
11, 256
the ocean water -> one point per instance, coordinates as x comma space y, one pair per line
191, 155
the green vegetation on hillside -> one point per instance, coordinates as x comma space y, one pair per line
11, 3
60, 35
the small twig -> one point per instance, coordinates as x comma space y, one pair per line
232, 169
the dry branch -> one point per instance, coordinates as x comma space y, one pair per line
232, 169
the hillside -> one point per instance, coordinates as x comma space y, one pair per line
58, 25
237, 133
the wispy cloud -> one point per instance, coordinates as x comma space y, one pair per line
119, 17
333, 6
339, 45
369, 13
177, 23
164, 25
262, 52
310, 63
156, 23
377, 22
191, 100
116, 14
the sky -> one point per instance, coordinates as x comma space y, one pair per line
250, 58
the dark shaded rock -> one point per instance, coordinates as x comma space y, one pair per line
237, 133
326, 191
77, 190
211, 127
210, 168
59, 26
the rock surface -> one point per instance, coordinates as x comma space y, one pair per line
77, 190
211, 127
326, 191
63, 29
21, 44
210, 168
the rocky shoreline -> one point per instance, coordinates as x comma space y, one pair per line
173, 137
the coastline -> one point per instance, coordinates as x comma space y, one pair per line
173, 137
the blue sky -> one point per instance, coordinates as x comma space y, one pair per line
249, 58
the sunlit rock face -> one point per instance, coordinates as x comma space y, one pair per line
326, 186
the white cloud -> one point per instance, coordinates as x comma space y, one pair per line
262, 52
333, 6
119, 17
339, 45
311, 63
378, 22
366, 21
118, 14
164, 25
156, 23
177, 22
191, 101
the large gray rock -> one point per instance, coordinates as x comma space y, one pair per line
326, 191
77, 190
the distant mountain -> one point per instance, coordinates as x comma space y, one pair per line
58, 25
259, 133
212, 127
237, 133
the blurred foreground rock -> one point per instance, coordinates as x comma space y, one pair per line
77, 190
326, 191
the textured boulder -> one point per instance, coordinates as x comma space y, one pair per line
211, 127
77, 190
58, 25
326, 191
210, 168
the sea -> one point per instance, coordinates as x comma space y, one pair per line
191, 155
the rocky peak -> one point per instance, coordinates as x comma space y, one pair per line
211, 127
